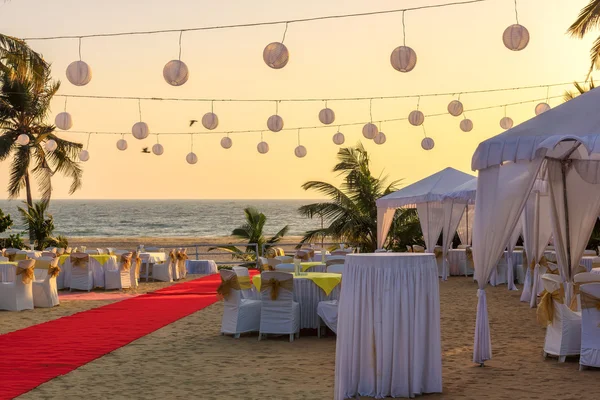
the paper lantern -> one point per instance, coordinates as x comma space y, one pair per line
515, 37
210, 121
176, 73
369, 130
542, 108
140, 130
84, 155
158, 149
23, 139
466, 125
326, 116
416, 118
339, 138
276, 55
379, 138
191, 158
427, 143
226, 142
79, 73
403, 59
51, 145
300, 151
63, 121
275, 123
455, 108
262, 147
506, 123
122, 144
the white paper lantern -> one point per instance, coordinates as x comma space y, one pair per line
23, 139
79, 73
403, 59
262, 147
466, 125
506, 123
210, 121
379, 138
63, 121
300, 151
158, 149
339, 138
226, 142
326, 116
140, 130
176, 73
427, 143
51, 145
191, 158
369, 130
455, 108
84, 155
515, 37
276, 55
275, 123
122, 144
416, 118
542, 108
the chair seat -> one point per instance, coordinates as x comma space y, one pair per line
328, 311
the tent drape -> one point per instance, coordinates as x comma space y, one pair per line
512, 242
453, 212
431, 218
465, 227
385, 217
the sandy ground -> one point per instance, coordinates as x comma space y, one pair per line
189, 359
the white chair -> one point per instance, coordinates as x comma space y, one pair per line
280, 314
579, 279
49, 254
45, 293
182, 257
175, 273
134, 271
285, 259
589, 253
334, 257
285, 267
82, 276
563, 334
163, 272
18, 295
119, 278
239, 315
93, 252
328, 313
336, 268
263, 263
273, 262
590, 326
242, 272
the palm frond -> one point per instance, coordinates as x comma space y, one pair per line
588, 19
18, 170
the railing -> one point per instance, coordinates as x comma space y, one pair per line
221, 257
293, 246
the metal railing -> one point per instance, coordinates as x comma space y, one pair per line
295, 246
221, 257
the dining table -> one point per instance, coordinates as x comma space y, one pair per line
98, 263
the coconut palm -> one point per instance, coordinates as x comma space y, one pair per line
16, 53
41, 224
351, 211
588, 19
252, 232
581, 89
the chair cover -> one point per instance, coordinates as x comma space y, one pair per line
18, 295
120, 277
82, 277
251, 293
281, 315
182, 257
239, 315
285, 267
336, 268
44, 291
328, 312
164, 271
590, 325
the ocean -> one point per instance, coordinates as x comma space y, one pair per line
164, 218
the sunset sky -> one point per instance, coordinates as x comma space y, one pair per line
459, 49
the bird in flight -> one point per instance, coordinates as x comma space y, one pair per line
193, 121
145, 150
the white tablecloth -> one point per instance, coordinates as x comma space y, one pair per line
587, 261
308, 295
153, 258
457, 257
64, 277
388, 335
201, 267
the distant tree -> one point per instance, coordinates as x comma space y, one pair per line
581, 89
40, 223
588, 19
5, 222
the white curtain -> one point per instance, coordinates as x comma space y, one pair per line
583, 206
385, 216
452, 215
431, 217
501, 195
465, 227
512, 242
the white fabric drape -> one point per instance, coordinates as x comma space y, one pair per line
452, 214
501, 194
465, 227
385, 216
512, 242
431, 218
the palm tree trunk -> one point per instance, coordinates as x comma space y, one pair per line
29, 205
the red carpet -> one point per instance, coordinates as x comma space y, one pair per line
34, 355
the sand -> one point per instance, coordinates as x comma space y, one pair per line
190, 359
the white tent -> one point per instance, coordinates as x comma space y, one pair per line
426, 195
561, 146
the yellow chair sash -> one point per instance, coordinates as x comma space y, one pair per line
545, 310
589, 301
172, 256
181, 256
126, 261
275, 285
409, 249
469, 253
26, 274
53, 271
81, 262
235, 283
438, 252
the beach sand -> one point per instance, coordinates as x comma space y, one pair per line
190, 359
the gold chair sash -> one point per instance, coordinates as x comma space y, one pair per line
438, 252
11, 257
181, 256
53, 271
172, 256
224, 289
580, 269
275, 285
409, 249
334, 262
544, 263
26, 274
469, 254
81, 262
589, 301
126, 261
545, 310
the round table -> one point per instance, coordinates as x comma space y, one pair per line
388, 333
204, 267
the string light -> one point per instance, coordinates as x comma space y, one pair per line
506, 122
122, 143
276, 54
79, 73
338, 137
191, 157
275, 122
158, 148
175, 72
544, 106
516, 37
262, 146
427, 143
300, 151
63, 120
84, 155
140, 130
326, 115
403, 58
210, 120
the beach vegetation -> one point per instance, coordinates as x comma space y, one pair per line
40, 223
580, 89
14, 241
5, 222
588, 20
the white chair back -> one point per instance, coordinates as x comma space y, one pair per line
235, 296
551, 282
590, 323
285, 259
2, 258
336, 268
285, 267
285, 297
589, 253
586, 277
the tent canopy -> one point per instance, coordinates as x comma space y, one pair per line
464, 193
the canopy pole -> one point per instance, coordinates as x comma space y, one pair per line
467, 210
564, 166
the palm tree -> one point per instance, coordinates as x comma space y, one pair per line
580, 90
252, 232
15, 52
352, 212
588, 19
41, 224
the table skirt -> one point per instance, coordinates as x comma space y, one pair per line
203, 267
